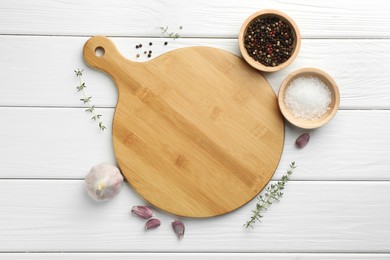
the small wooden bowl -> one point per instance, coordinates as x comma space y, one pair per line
267, 13
333, 107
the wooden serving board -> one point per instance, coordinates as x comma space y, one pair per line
197, 132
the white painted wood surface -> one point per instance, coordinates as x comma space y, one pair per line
201, 18
53, 215
353, 63
50, 153
335, 207
191, 256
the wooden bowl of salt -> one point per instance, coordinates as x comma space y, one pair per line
308, 98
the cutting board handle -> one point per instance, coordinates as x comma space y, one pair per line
100, 52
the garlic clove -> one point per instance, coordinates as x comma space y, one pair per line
178, 228
142, 211
302, 140
152, 223
103, 181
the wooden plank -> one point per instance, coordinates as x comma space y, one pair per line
200, 18
173, 256
328, 217
38, 71
65, 143
53, 143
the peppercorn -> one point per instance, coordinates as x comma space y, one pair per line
150, 51
150, 43
137, 55
269, 41
140, 46
149, 55
165, 43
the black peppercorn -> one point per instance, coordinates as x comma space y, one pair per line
149, 55
165, 43
150, 43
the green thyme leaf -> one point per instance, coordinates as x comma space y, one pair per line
173, 35
273, 193
87, 99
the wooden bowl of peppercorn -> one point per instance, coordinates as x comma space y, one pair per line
269, 40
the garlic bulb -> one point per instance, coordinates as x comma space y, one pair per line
103, 181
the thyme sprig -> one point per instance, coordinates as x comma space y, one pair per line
272, 193
87, 100
164, 31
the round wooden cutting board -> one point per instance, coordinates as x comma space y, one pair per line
197, 132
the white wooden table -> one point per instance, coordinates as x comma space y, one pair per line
337, 205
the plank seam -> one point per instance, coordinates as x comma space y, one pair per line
385, 252
273, 179
187, 37
112, 107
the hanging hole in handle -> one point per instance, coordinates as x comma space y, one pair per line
99, 51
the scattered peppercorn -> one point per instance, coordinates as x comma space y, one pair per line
269, 41
146, 52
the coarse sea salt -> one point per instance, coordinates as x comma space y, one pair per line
307, 98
